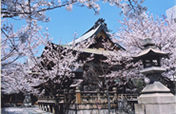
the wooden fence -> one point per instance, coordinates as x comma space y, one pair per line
84, 100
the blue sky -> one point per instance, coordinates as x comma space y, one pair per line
63, 24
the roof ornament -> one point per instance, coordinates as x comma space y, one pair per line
99, 21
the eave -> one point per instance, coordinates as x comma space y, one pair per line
91, 50
150, 53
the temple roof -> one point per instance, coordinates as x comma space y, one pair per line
87, 35
99, 25
94, 31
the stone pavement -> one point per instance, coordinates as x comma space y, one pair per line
23, 110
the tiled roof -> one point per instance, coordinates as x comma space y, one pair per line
87, 35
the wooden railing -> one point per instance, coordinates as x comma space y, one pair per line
46, 98
81, 100
81, 97
129, 97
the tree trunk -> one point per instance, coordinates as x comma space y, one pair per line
107, 93
56, 105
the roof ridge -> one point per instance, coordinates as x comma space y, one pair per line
100, 21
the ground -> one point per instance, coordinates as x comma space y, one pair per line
23, 110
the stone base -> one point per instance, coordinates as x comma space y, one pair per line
155, 108
156, 99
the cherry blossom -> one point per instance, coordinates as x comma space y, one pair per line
131, 36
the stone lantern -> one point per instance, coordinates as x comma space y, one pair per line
151, 57
155, 98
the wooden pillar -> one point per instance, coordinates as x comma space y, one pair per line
45, 107
53, 109
49, 108
42, 106
78, 95
115, 92
65, 95
106, 95
98, 94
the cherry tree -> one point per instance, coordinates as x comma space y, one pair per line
32, 11
54, 71
22, 43
16, 47
133, 32
35, 9
14, 80
131, 36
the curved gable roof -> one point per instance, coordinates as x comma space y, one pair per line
90, 33
94, 31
